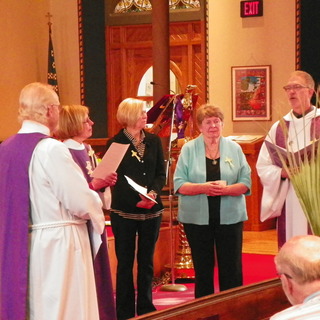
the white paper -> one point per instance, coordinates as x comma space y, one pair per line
142, 190
110, 161
246, 137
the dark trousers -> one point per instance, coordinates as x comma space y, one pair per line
227, 241
125, 232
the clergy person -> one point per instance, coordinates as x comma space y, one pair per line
46, 259
303, 125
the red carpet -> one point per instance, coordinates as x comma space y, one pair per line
256, 268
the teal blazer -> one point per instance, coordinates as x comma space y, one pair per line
191, 167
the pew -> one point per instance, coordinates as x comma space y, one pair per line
257, 301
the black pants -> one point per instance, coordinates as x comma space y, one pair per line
227, 241
125, 232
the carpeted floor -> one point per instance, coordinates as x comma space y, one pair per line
256, 268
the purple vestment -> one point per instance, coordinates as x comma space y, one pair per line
102, 271
15, 156
281, 142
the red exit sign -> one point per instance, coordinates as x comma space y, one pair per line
251, 9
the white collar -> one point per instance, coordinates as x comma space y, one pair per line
29, 126
73, 144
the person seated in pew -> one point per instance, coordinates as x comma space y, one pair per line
298, 265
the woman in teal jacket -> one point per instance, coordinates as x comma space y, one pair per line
211, 179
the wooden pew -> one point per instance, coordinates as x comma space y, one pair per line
253, 302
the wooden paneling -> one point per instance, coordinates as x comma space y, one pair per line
161, 254
129, 56
251, 150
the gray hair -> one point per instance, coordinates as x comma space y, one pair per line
34, 100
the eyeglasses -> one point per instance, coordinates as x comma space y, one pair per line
54, 105
216, 122
88, 120
285, 274
294, 87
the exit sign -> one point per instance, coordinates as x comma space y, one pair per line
251, 9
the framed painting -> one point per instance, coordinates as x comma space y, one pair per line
251, 93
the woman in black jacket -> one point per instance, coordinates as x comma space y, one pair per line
133, 214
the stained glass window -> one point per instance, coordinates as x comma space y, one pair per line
184, 4
132, 6
145, 5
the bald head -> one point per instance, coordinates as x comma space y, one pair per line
300, 258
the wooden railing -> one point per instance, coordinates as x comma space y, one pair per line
253, 302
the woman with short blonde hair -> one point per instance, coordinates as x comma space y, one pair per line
72, 120
134, 216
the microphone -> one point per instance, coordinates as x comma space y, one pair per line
161, 85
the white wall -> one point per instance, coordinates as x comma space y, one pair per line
24, 52
233, 41
236, 41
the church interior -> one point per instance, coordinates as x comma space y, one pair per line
108, 50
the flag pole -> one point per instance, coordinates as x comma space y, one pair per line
52, 73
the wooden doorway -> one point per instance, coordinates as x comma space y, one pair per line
129, 56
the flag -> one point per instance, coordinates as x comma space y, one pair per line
52, 73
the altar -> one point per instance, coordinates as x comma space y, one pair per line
251, 150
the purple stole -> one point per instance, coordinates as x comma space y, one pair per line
101, 264
281, 142
15, 156
81, 158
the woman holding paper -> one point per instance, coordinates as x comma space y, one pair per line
132, 214
75, 126
211, 179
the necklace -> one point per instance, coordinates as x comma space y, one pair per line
213, 158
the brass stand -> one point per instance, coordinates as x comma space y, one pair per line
173, 286
183, 257
184, 260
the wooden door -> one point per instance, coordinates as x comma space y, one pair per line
129, 56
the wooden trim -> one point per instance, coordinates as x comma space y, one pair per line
252, 302
298, 34
97, 141
81, 52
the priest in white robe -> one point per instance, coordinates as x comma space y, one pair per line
303, 125
45, 206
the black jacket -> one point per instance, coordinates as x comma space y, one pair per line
149, 173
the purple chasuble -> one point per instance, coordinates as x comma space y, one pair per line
102, 272
15, 156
